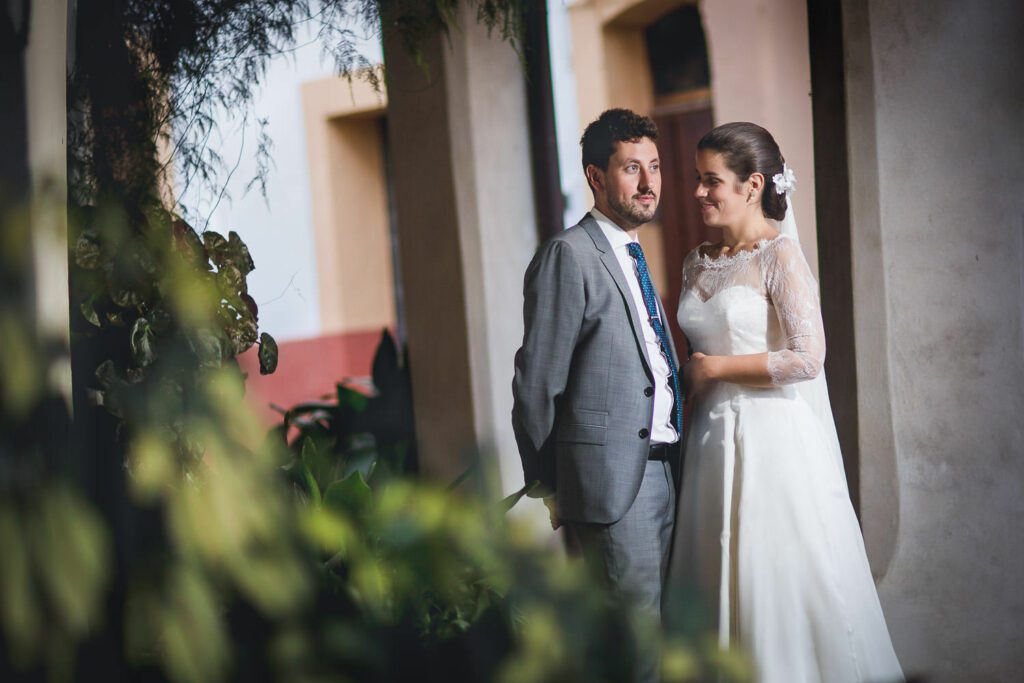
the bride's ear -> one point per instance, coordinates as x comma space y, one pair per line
756, 181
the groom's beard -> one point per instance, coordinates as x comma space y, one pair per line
633, 211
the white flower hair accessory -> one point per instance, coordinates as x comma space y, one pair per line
784, 182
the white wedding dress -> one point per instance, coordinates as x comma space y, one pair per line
765, 530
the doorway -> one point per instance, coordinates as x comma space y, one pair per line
678, 59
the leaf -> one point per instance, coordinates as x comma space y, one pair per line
267, 354
159, 319
320, 456
509, 502
230, 279
351, 399
229, 252
466, 474
351, 494
188, 244
146, 262
362, 460
20, 614
19, 379
310, 481
242, 335
71, 547
396, 457
193, 643
215, 245
152, 466
87, 252
387, 373
106, 373
240, 253
208, 346
309, 452
250, 303
124, 295
88, 309
142, 341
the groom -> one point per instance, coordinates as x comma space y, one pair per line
598, 407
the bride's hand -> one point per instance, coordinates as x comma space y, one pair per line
697, 373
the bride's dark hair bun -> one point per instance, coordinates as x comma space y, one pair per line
747, 148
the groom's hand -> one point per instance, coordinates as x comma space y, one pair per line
549, 501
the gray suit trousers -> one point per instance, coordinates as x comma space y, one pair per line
632, 553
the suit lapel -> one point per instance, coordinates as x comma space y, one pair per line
611, 263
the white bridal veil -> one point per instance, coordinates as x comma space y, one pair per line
814, 391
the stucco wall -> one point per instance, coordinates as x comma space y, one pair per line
345, 147
497, 224
465, 214
935, 107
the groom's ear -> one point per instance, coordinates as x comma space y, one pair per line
595, 177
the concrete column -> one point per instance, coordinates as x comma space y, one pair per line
458, 138
879, 476
46, 107
934, 110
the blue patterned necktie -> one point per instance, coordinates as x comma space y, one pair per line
652, 313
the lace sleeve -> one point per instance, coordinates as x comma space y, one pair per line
688, 264
794, 293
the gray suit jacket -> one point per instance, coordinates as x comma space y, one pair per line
583, 387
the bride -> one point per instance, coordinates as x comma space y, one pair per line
765, 530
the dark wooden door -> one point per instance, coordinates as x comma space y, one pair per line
679, 130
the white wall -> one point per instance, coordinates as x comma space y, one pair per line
497, 220
578, 199
936, 103
278, 230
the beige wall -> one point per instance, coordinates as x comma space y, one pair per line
760, 72
934, 106
350, 211
610, 61
465, 214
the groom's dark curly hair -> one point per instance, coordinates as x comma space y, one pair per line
614, 125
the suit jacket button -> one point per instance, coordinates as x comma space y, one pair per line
644, 433
648, 391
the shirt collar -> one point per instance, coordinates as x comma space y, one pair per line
615, 235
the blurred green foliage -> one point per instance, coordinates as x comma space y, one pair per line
317, 557
161, 535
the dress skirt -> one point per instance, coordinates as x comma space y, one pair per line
767, 535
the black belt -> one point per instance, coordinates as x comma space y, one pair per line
660, 452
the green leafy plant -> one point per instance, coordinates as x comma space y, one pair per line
232, 577
356, 435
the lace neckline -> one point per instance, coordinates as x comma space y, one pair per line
736, 257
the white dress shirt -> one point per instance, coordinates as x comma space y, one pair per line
662, 429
